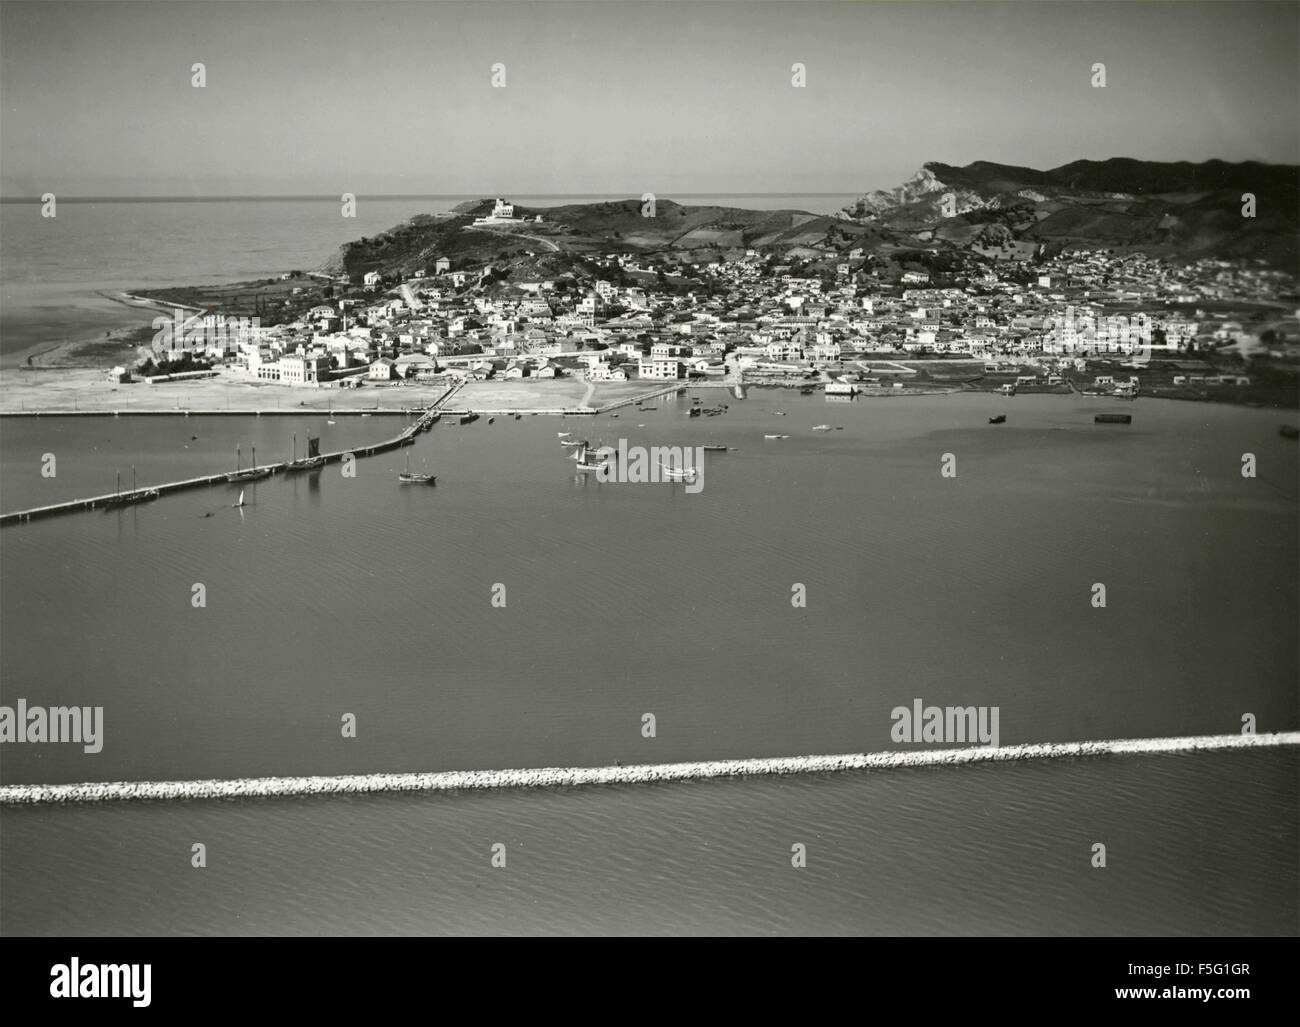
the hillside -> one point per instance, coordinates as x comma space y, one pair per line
1178, 210
696, 233
997, 211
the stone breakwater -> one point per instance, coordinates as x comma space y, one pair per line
568, 777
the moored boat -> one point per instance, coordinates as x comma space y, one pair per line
311, 461
136, 495
253, 473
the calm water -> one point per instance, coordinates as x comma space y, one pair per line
51, 269
333, 595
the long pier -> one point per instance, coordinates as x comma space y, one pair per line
405, 437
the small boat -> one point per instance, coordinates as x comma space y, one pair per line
714, 449
519, 417
678, 473
823, 427
253, 473
492, 420
776, 436
999, 419
409, 477
1113, 419
563, 434
695, 411
1289, 431
580, 443
468, 418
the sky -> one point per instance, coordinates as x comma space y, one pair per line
623, 98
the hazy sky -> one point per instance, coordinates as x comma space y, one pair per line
323, 98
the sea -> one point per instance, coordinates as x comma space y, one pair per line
520, 614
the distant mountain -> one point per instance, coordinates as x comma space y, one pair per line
1179, 209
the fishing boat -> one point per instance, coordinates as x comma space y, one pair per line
136, 495
312, 460
999, 419
409, 477
253, 473
468, 418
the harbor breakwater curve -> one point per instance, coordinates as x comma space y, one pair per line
569, 777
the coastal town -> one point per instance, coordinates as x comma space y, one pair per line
850, 322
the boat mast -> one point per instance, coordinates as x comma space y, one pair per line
295, 447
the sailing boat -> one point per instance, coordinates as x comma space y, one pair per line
136, 495
254, 473
239, 505
312, 460
409, 477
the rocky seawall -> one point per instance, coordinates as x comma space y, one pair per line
567, 777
